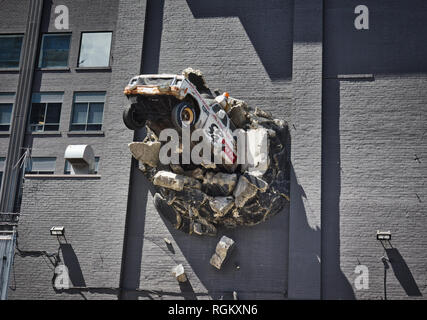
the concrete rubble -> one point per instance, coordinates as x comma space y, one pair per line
222, 251
146, 151
179, 273
199, 199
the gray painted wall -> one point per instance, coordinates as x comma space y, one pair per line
373, 130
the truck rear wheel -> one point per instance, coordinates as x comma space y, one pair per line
183, 115
129, 119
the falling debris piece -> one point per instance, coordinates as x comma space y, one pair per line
222, 252
179, 273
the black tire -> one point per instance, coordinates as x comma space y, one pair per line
129, 119
183, 115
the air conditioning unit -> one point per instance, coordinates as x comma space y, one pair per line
81, 159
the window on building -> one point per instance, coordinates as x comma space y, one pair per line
95, 49
67, 167
6, 106
2, 162
5, 116
10, 50
45, 111
88, 111
54, 50
41, 165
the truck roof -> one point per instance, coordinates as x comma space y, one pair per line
163, 75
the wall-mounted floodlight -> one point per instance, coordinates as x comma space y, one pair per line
383, 235
57, 231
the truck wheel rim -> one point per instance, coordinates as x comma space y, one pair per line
187, 116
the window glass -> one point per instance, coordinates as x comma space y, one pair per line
10, 50
80, 113
41, 165
95, 49
88, 111
54, 51
67, 167
96, 164
53, 113
37, 116
95, 113
45, 111
5, 116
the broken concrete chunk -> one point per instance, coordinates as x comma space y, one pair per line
170, 180
222, 252
197, 173
147, 152
179, 273
243, 192
235, 297
219, 184
221, 205
216, 261
257, 147
238, 112
176, 168
208, 165
263, 114
257, 182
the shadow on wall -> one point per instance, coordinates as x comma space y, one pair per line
268, 24
403, 273
335, 285
394, 43
303, 259
73, 265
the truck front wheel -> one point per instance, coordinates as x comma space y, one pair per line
129, 119
183, 115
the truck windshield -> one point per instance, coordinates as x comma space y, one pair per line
155, 81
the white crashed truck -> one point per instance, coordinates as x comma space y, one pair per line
168, 100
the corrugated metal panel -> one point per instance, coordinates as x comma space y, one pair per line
7, 245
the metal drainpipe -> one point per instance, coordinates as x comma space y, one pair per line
12, 175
